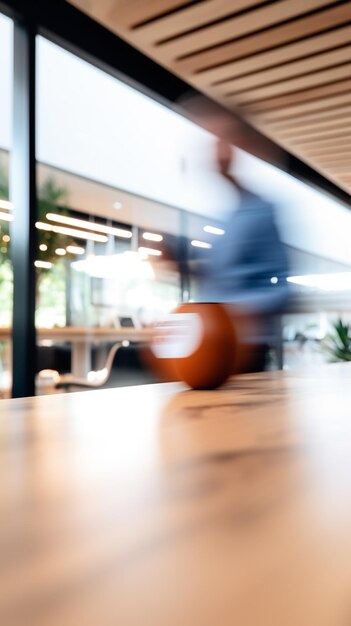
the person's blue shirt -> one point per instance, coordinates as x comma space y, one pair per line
248, 265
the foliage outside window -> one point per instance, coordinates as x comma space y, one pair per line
6, 277
65, 296
51, 281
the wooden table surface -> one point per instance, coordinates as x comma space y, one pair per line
157, 506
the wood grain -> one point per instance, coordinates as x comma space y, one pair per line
313, 120
260, 42
192, 17
127, 13
304, 70
292, 86
327, 104
313, 94
324, 130
337, 169
334, 158
276, 57
238, 26
338, 139
161, 506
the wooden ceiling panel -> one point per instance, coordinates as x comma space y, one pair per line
290, 85
317, 119
318, 152
315, 108
191, 18
129, 13
235, 27
276, 57
284, 65
340, 169
330, 161
339, 138
262, 41
308, 67
305, 95
322, 128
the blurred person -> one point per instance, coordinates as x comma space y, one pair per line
247, 267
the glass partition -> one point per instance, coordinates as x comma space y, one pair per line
128, 196
6, 276
106, 260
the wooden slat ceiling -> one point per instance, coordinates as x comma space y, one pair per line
285, 65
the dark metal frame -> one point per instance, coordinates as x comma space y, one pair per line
65, 25
23, 196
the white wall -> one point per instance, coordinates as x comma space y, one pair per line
91, 124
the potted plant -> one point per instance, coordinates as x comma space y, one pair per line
338, 343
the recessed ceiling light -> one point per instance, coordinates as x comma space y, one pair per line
99, 228
43, 247
200, 244
60, 251
117, 205
213, 230
6, 217
6, 205
338, 281
149, 251
152, 237
73, 232
45, 265
75, 250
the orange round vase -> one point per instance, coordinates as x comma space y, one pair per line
197, 345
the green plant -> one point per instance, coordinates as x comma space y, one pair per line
50, 197
338, 343
3, 183
4, 226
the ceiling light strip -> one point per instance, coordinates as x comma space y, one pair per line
200, 244
79, 234
5, 205
6, 217
149, 251
213, 230
99, 228
152, 237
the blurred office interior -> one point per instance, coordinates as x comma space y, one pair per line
123, 182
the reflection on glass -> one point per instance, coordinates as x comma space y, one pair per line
126, 202
6, 275
99, 280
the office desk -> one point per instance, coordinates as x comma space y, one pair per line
82, 338
160, 506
